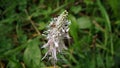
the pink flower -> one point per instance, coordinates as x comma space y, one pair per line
57, 31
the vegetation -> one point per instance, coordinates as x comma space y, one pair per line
94, 32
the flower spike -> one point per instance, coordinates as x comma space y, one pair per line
57, 31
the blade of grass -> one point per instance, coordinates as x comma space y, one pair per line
13, 51
108, 25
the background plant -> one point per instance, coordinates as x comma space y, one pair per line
95, 33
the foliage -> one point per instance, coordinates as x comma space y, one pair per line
94, 30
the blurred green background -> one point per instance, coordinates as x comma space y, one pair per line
94, 31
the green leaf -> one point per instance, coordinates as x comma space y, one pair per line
74, 28
13, 63
42, 26
84, 22
100, 61
76, 9
114, 4
32, 54
13, 51
109, 61
88, 2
